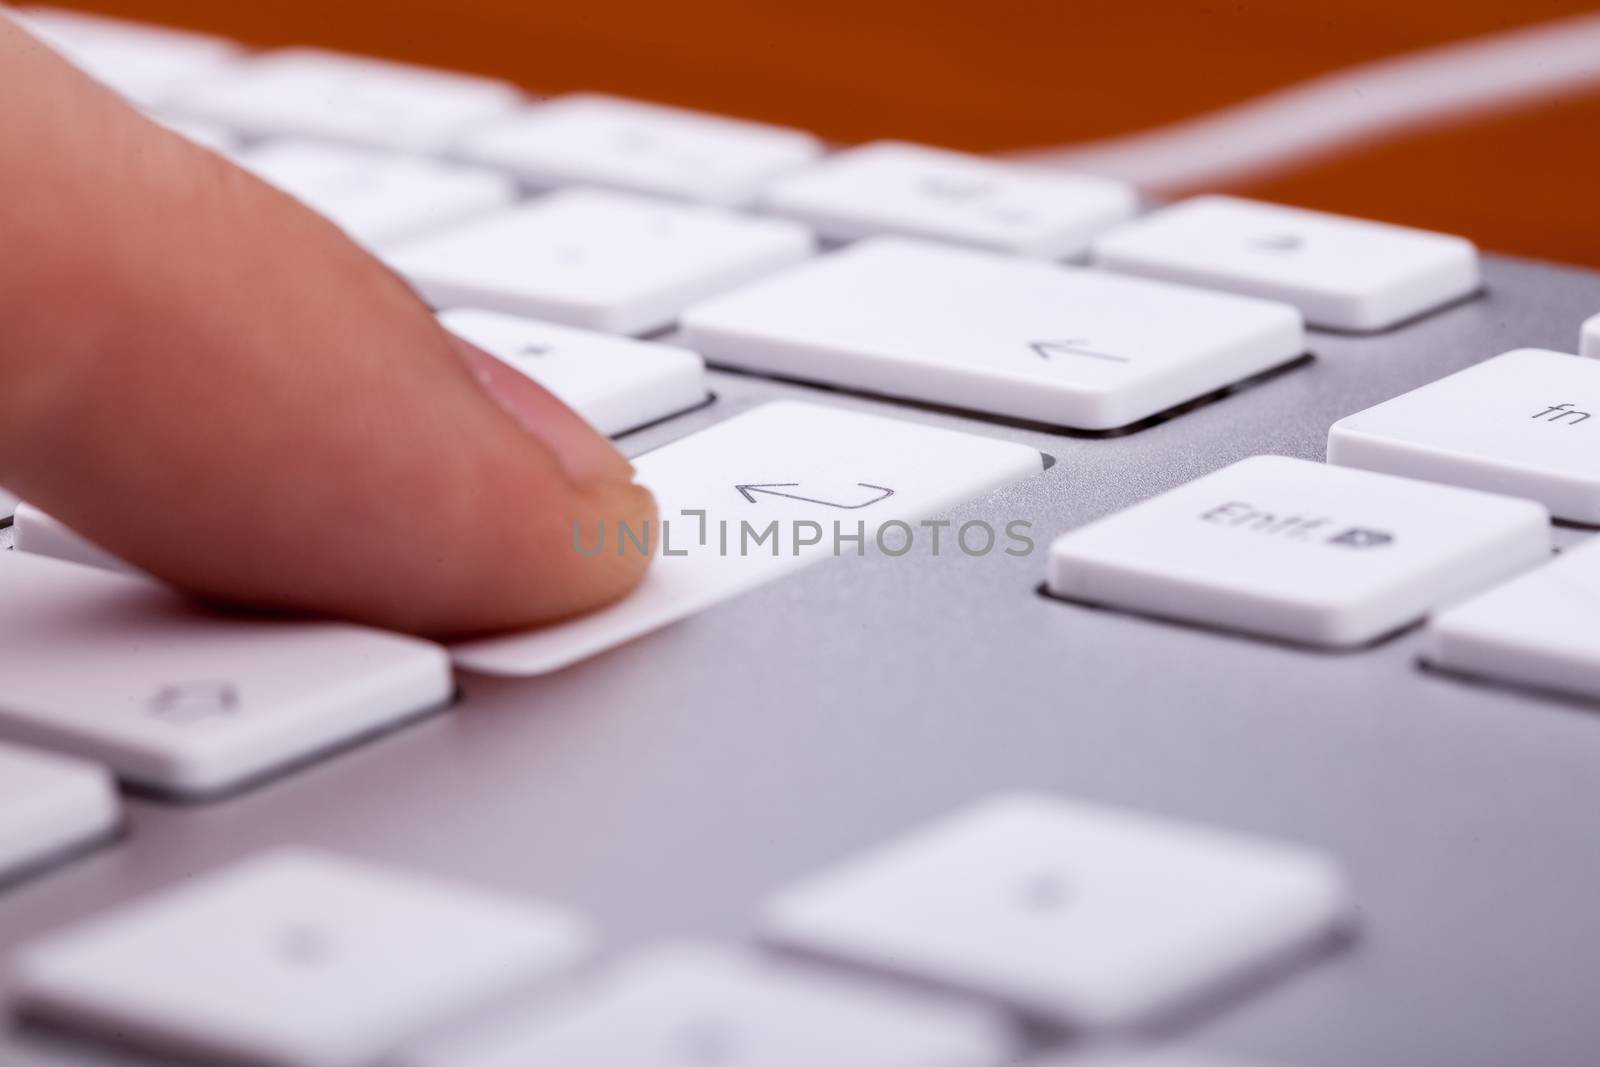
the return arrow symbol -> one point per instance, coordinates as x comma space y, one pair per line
1072, 347
771, 489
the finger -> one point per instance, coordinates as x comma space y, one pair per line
211, 382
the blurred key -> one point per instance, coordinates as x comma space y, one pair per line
618, 384
1135, 1057
604, 261
146, 64
121, 671
1343, 273
305, 92
8, 505
294, 958
378, 197
1009, 336
694, 1005
50, 805
890, 187
588, 139
1590, 341
1541, 629
1091, 916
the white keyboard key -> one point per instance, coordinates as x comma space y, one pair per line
40, 534
294, 958
306, 92
378, 197
1300, 551
1087, 915
123, 672
1128, 1057
8, 504
806, 472
146, 64
205, 134
1009, 336
1526, 423
605, 261
588, 139
691, 1004
1344, 273
618, 384
895, 188
50, 806
1541, 629
1589, 343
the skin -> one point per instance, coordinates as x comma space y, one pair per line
213, 383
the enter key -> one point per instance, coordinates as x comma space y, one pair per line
759, 496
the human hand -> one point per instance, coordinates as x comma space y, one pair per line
215, 384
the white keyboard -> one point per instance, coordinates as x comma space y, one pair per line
779, 808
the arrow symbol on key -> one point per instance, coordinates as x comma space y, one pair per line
771, 489
1279, 242
1072, 347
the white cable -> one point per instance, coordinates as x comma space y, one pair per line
1361, 104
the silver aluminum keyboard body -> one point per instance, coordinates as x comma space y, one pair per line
667, 786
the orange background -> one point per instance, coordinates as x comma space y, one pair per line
1003, 75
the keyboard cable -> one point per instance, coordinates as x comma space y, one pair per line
1289, 127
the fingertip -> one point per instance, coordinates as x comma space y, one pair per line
549, 569
586, 455
335, 451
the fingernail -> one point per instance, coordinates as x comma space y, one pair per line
585, 454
